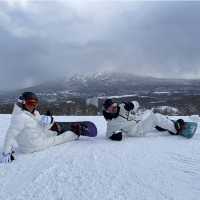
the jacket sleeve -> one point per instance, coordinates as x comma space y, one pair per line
128, 115
16, 126
45, 122
114, 126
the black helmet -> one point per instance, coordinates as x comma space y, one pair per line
27, 96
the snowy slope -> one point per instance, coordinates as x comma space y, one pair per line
151, 168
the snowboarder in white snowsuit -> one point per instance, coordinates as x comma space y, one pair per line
124, 119
30, 130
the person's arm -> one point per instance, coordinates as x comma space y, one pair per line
114, 125
114, 130
46, 121
129, 111
16, 126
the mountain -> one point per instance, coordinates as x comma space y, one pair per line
148, 91
112, 84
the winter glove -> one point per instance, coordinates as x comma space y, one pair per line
128, 106
45, 121
132, 106
117, 136
7, 157
49, 113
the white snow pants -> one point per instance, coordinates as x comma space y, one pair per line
59, 139
51, 140
148, 122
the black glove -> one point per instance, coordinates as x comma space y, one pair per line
116, 136
48, 113
12, 156
128, 106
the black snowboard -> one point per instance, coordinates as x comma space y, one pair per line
87, 128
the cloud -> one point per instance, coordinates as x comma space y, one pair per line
42, 40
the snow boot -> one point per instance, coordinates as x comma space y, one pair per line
179, 125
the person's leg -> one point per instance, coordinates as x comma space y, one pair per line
59, 139
164, 123
50, 133
151, 120
145, 125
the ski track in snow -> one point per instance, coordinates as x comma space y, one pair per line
157, 167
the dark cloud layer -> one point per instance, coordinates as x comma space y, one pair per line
42, 40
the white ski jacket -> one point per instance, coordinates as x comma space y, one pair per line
25, 129
137, 124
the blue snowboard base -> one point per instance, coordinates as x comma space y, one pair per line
189, 130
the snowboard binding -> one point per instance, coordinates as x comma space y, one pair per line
179, 125
79, 128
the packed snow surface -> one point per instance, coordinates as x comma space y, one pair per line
156, 167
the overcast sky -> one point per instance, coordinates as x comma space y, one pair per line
41, 40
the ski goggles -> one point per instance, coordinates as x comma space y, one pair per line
32, 102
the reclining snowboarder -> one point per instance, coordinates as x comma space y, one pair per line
30, 130
124, 119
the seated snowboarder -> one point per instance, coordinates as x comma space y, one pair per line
124, 119
30, 130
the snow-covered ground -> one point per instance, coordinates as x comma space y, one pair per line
157, 167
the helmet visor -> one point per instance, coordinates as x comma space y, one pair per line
32, 102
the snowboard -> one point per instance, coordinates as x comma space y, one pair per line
87, 128
189, 130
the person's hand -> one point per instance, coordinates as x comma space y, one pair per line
131, 106
6, 158
128, 106
117, 136
46, 120
49, 113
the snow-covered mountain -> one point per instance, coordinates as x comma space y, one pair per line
113, 84
157, 167
148, 91
116, 84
